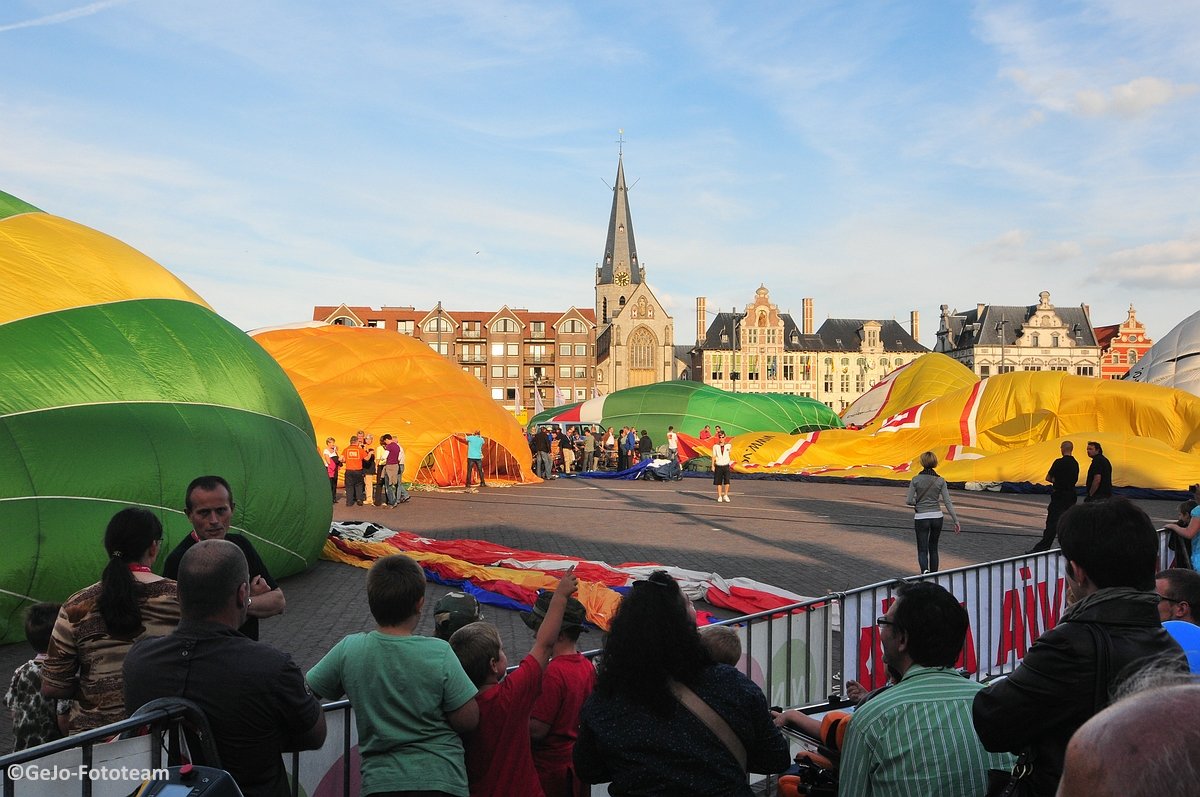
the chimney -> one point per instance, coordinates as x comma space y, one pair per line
914, 325
700, 303
807, 320
979, 311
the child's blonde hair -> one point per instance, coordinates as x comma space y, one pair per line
722, 644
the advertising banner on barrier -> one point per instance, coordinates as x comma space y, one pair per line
1009, 603
789, 656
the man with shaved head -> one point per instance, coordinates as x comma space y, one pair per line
1143, 746
1062, 477
254, 695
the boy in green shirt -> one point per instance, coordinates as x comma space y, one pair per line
411, 696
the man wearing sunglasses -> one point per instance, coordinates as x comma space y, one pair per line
1178, 595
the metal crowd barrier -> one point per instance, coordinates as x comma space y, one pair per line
801, 654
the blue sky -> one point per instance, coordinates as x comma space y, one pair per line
878, 157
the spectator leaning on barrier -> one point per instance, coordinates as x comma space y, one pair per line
1111, 632
922, 636
1178, 595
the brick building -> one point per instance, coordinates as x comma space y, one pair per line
516, 353
1122, 345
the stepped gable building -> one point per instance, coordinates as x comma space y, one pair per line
515, 353
634, 336
761, 350
1122, 345
998, 339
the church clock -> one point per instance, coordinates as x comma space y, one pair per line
622, 278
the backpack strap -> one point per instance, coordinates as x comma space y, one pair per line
711, 719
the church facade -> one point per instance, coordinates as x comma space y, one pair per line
635, 337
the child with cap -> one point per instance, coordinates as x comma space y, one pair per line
411, 696
566, 684
452, 611
499, 757
34, 719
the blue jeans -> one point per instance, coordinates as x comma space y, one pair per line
928, 531
544, 466
477, 466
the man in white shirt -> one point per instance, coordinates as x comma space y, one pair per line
672, 445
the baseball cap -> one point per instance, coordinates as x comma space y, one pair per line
575, 615
454, 610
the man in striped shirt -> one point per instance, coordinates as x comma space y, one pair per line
916, 738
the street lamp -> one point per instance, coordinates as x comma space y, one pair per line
734, 348
1000, 331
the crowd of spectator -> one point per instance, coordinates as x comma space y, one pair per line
667, 709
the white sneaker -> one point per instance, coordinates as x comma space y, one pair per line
727, 499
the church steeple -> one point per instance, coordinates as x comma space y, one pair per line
620, 266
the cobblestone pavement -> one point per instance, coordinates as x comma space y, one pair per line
808, 537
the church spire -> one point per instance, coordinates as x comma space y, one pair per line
620, 265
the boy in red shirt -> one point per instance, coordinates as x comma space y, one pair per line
498, 751
554, 722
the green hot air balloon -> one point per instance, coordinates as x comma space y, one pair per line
120, 386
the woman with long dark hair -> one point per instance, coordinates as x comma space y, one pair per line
97, 625
664, 719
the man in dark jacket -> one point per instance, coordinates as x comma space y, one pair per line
1110, 632
645, 447
1062, 477
1099, 475
542, 466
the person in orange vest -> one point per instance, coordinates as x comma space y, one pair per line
353, 458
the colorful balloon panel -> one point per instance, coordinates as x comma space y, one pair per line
383, 382
1007, 428
120, 387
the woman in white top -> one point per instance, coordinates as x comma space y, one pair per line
925, 492
722, 458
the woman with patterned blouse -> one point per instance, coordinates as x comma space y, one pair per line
97, 625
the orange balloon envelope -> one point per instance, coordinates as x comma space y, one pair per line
383, 382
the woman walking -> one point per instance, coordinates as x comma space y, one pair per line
925, 492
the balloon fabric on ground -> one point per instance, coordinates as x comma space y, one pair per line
689, 406
510, 578
121, 386
383, 382
1007, 428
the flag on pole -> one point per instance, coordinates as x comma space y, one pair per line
559, 398
538, 406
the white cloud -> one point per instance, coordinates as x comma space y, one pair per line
1165, 265
1131, 99
63, 16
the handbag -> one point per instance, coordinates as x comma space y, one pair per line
712, 720
1012, 784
